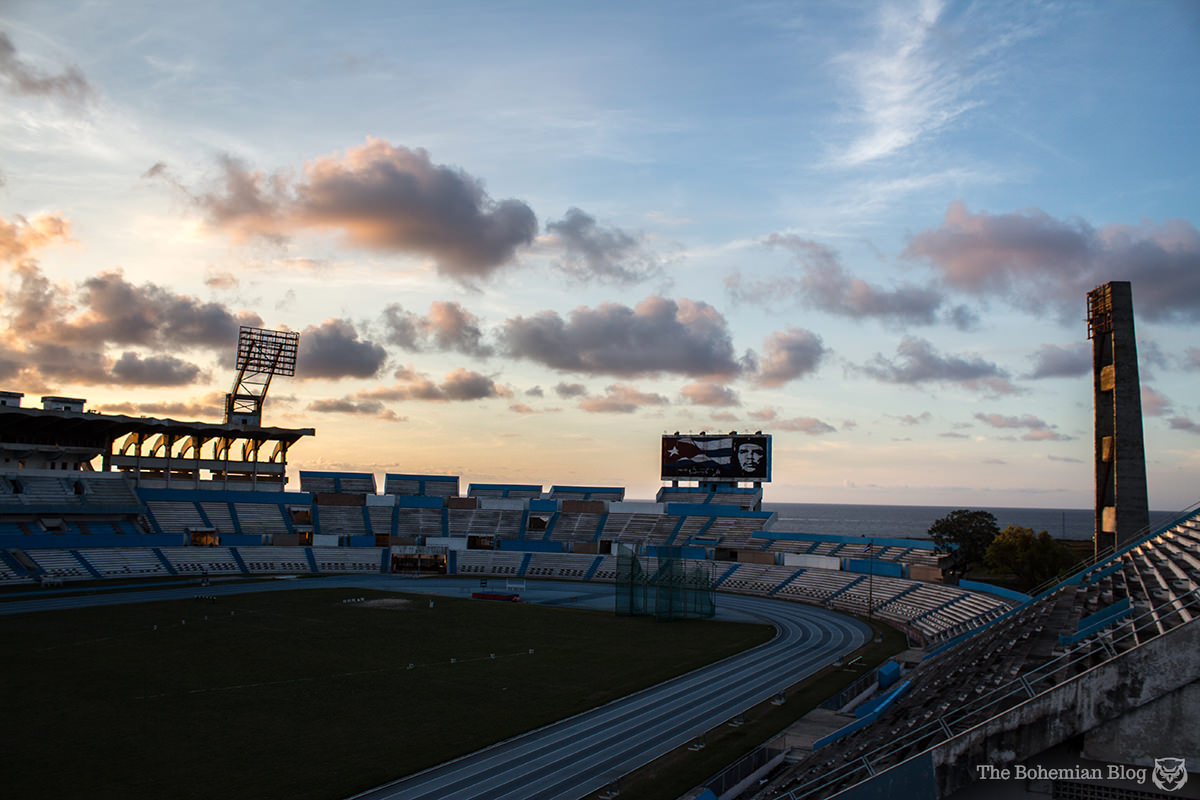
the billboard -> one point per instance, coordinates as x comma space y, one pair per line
723, 457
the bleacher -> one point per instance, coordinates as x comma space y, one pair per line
340, 520
419, 522
613, 494
124, 562
505, 490
261, 518
1111, 610
271, 560
421, 485
60, 564
200, 560
337, 482
175, 516
348, 559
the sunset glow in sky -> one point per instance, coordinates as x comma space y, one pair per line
522, 240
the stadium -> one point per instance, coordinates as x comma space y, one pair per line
1061, 692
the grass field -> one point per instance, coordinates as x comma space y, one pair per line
298, 695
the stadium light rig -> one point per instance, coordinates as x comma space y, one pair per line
261, 355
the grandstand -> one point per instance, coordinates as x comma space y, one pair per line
1081, 670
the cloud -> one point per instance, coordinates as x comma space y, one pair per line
521, 408
592, 252
57, 333
17, 76
1053, 361
345, 405
909, 419
117, 311
1184, 424
457, 385
810, 425
1192, 360
1037, 429
790, 355
132, 369
208, 405
380, 197
447, 326
826, 286
22, 237
1154, 404
687, 337
912, 82
1039, 262
536, 391
221, 280
333, 350
621, 398
565, 390
703, 393
917, 362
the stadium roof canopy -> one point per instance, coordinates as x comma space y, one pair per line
39, 426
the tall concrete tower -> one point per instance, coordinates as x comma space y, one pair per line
1122, 505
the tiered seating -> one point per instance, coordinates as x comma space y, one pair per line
740, 499
607, 571
175, 516
260, 518
348, 559
489, 562
509, 490
8, 577
735, 530
218, 514
341, 520
421, 485
558, 565
110, 488
1032, 648
274, 559
46, 490
60, 564
381, 520
671, 495
196, 560
337, 482
124, 562
817, 585
756, 578
691, 526
650, 529
419, 522
576, 527
613, 494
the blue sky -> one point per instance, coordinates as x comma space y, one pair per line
522, 240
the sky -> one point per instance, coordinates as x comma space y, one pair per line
522, 240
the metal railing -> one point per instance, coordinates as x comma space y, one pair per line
1107, 644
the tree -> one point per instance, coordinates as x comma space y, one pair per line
965, 534
1033, 558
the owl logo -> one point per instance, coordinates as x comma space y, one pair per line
1169, 774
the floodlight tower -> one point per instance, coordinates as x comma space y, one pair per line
1122, 507
261, 355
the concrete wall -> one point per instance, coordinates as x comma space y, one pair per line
1102, 694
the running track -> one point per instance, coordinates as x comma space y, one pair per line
576, 756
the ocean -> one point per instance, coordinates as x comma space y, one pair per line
912, 522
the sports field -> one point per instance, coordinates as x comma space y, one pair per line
300, 695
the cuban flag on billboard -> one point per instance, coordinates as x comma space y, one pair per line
687, 455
